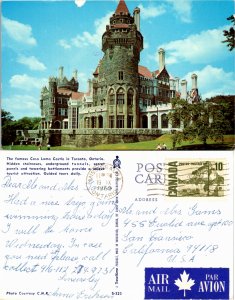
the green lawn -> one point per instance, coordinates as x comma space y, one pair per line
229, 141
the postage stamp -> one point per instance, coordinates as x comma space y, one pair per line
104, 183
193, 178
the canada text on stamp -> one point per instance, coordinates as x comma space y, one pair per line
196, 178
191, 178
104, 183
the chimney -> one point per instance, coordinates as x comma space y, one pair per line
177, 82
89, 84
161, 55
75, 74
194, 81
61, 70
136, 14
184, 89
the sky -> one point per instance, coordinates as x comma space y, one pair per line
40, 36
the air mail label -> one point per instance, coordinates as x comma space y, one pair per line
186, 283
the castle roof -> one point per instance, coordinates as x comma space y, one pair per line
156, 73
145, 72
121, 8
71, 94
77, 95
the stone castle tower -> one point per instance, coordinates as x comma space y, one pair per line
122, 94
116, 77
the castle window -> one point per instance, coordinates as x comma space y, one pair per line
164, 121
154, 121
130, 121
130, 98
62, 111
120, 121
111, 97
59, 100
120, 97
111, 121
66, 125
120, 75
65, 101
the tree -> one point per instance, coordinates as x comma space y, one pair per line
230, 34
6, 117
7, 132
226, 104
27, 123
10, 126
201, 121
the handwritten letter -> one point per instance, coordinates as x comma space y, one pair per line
86, 226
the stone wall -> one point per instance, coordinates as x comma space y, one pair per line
93, 137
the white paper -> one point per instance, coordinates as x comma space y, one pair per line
90, 230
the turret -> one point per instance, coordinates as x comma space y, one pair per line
177, 82
136, 14
161, 57
122, 43
184, 89
75, 74
52, 86
194, 81
89, 86
61, 71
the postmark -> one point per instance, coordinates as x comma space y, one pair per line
193, 178
104, 183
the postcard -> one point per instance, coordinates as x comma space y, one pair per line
117, 150
106, 225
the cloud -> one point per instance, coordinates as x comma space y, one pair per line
79, 41
86, 38
204, 47
31, 62
64, 44
80, 3
151, 11
213, 81
183, 9
19, 32
27, 83
24, 105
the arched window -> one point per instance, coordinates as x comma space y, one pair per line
93, 122
130, 96
100, 122
57, 124
120, 97
164, 121
111, 97
154, 121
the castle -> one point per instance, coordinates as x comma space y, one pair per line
122, 94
